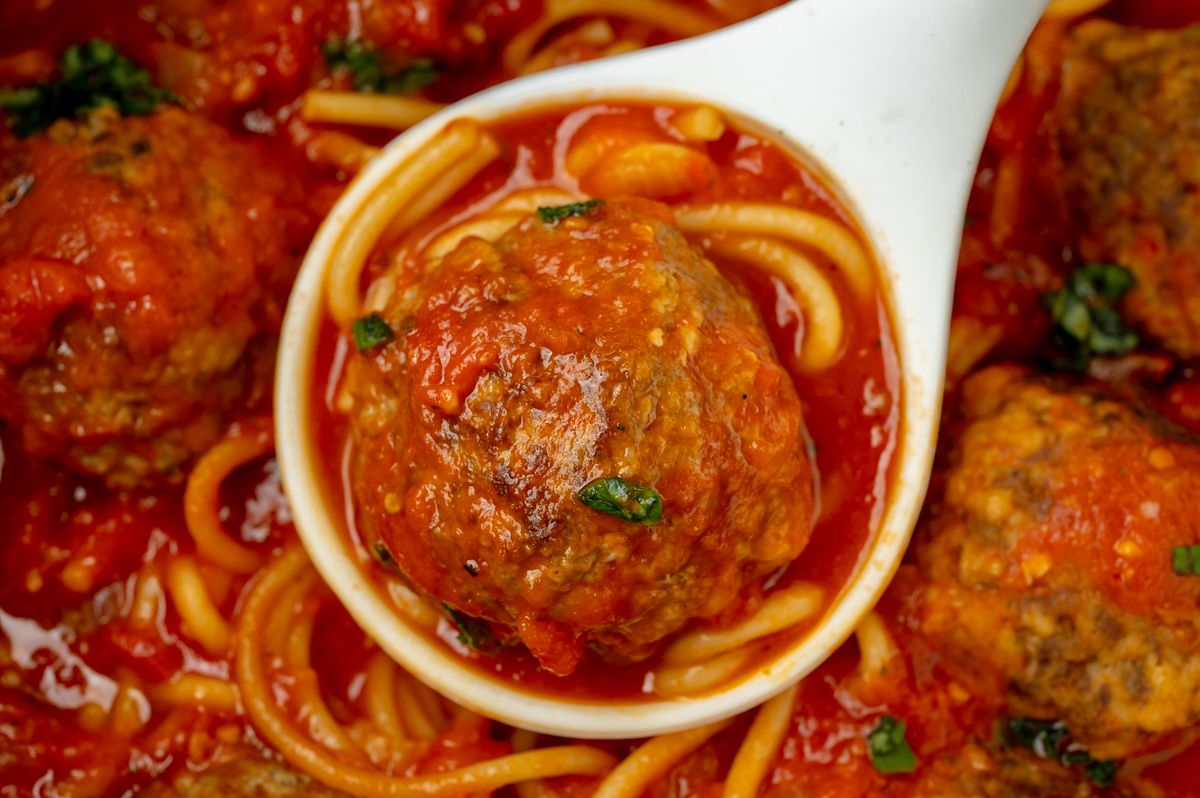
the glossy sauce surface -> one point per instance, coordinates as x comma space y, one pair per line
64, 646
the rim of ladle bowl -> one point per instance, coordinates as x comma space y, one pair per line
314, 514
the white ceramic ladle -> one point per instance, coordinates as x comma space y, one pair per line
892, 100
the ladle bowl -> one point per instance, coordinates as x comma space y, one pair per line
890, 100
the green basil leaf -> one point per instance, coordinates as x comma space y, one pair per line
1086, 322
420, 74
359, 58
888, 749
1102, 280
559, 212
615, 496
1076, 318
18, 99
370, 331
1043, 737
369, 73
474, 633
1078, 757
92, 75
1050, 739
1102, 774
1181, 561
1185, 560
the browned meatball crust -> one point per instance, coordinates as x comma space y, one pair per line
1048, 557
599, 346
142, 283
996, 772
1128, 131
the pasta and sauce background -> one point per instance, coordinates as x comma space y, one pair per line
165, 165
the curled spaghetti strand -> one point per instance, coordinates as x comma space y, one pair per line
653, 760
190, 689
674, 18
201, 499
401, 189
832, 238
824, 331
694, 678
447, 184
380, 694
195, 606
759, 747
877, 648
782, 609
302, 753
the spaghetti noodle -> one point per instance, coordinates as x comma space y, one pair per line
246, 442
760, 745
824, 325
313, 752
402, 189
782, 609
877, 648
826, 235
191, 689
653, 759
355, 108
675, 18
201, 618
695, 678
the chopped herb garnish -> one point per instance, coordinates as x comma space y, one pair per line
1051, 740
557, 213
1040, 736
1186, 560
889, 751
385, 557
369, 72
1102, 774
474, 633
614, 496
1086, 321
370, 331
361, 61
93, 75
416, 76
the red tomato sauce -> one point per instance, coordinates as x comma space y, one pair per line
63, 645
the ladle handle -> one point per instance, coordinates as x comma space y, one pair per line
893, 97
906, 91
905, 88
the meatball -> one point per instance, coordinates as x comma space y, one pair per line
248, 777
1048, 557
997, 772
142, 281
598, 347
1128, 133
